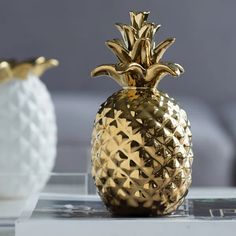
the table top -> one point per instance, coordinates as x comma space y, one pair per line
10, 210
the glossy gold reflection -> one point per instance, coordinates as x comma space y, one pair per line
141, 142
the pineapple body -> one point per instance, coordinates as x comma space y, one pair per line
27, 136
141, 144
141, 153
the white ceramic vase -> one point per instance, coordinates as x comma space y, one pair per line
28, 133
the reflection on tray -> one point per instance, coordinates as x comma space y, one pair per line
207, 209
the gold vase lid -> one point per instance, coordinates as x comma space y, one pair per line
139, 58
13, 69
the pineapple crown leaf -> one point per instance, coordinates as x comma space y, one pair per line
119, 50
10, 69
139, 60
107, 70
128, 33
132, 67
161, 48
138, 18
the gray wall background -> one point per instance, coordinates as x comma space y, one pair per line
74, 32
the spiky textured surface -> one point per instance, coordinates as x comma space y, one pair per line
141, 153
27, 137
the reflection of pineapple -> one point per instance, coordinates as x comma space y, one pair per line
141, 144
27, 127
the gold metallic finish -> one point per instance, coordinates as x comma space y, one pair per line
12, 69
141, 141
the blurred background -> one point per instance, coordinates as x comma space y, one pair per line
74, 32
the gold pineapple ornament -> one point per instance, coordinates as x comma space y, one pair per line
141, 141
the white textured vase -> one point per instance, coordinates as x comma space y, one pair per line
28, 133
